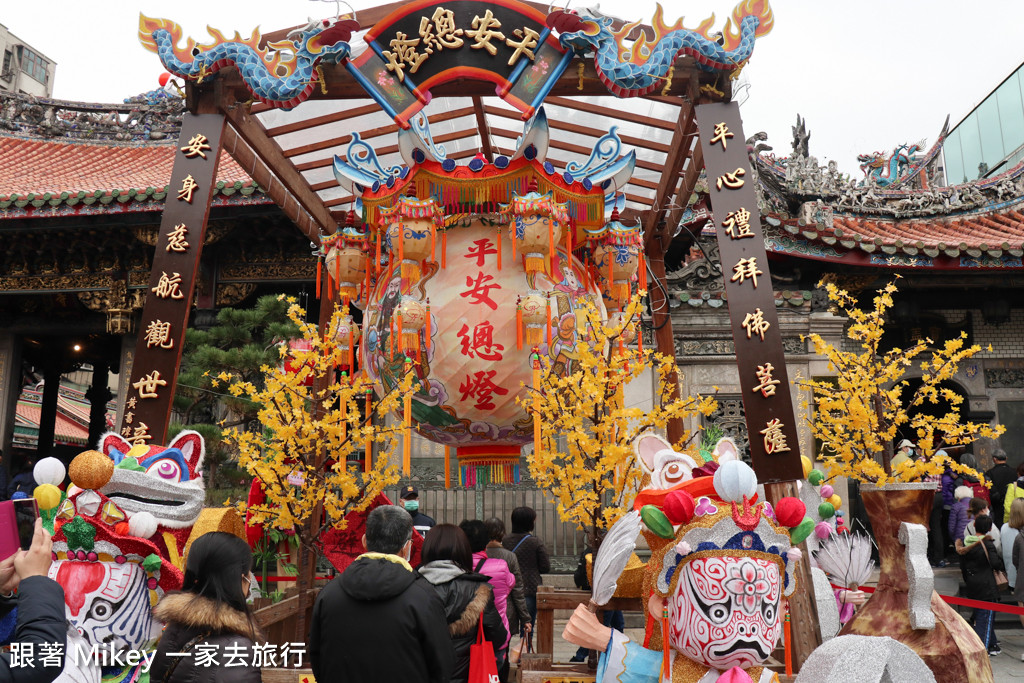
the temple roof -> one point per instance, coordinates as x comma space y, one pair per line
36, 174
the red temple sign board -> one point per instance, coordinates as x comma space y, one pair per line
767, 402
172, 280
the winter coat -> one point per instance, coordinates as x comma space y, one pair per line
380, 621
1008, 535
467, 598
949, 479
223, 628
23, 482
977, 571
40, 619
1013, 492
501, 580
1018, 566
533, 559
518, 613
4, 482
993, 533
1001, 476
958, 518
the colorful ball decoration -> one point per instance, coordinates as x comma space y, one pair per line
816, 477
47, 495
826, 510
790, 511
801, 531
735, 480
822, 530
475, 365
142, 524
836, 501
679, 507
91, 470
806, 463
826, 491
49, 471
163, 79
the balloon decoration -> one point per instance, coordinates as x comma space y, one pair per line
47, 495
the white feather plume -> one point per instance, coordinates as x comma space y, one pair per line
612, 556
846, 558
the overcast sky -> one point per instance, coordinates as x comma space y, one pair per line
867, 76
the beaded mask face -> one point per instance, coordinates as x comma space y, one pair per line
724, 611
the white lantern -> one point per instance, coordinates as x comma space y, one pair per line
49, 471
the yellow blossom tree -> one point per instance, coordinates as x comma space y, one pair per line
858, 416
313, 418
585, 461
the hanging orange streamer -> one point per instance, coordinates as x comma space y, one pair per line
666, 650
377, 266
368, 447
444, 248
643, 272
447, 467
789, 646
547, 323
519, 325
427, 327
536, 405
499, 249
407, 433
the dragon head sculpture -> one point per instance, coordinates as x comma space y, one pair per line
581, 33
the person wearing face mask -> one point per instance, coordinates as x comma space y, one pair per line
381, 620
411, 502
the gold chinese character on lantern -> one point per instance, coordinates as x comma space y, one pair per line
169, 287
524, 46
484, 30
766, 382
733, 181
141, 435
158, 333
196, 146
737, 224
754, 323
774, 439
176, 239
148, 385
746, 269
721, 133
403, 54
188, 186
439, 32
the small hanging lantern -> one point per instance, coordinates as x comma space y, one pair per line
618, 258
534, 318
291, 366
536, 224
411, 231
347, 337
346, 256
413, 321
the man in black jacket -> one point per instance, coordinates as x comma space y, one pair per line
380, 620
1001, 476
40, 619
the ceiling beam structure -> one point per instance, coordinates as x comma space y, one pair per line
683, 137
483, 129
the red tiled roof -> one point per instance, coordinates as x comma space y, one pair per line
65, 430
38, 167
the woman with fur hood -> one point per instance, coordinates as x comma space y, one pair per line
467, 597
211, 614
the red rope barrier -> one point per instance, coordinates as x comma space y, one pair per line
965, 602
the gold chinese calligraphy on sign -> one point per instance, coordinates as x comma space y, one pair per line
188, 186
737, 224
176, 238
149, 385
746, 269
774, 439
754, 323
721, 134
169, 287
732, 181
197, 145
766, 382
158, 333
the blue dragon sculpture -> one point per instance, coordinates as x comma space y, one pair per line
638, 68
897, 164
281, 74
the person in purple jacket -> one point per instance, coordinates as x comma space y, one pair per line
959, 514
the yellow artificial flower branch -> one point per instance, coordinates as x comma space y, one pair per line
585, 461
859, 412
311, 421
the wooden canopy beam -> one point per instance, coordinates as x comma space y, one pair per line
682, 139
484, 129
304, 124
251, 130
584, 130
570, 103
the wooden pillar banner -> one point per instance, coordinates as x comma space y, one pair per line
154, 375
771, 423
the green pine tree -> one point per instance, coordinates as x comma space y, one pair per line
240, 343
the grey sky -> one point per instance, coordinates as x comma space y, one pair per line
867, 75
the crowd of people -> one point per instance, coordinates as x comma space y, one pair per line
473, 580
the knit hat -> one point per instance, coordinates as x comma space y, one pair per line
963, 492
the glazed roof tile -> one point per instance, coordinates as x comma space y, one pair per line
65, 429
56, 171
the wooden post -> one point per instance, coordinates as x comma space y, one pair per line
172, 280
802, 604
